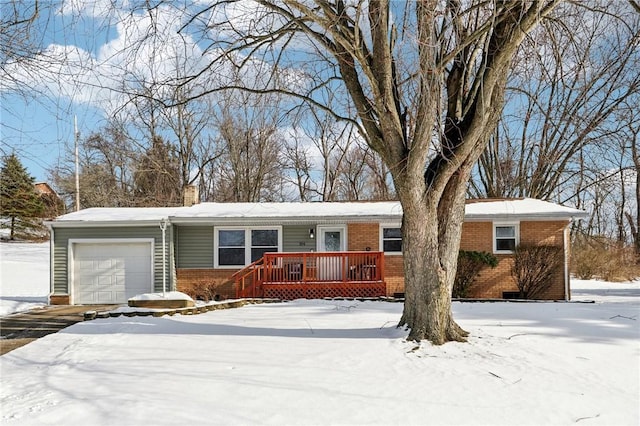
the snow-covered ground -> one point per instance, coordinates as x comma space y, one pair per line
24, 276
337, 362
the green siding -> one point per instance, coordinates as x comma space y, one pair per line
194, 246
295, 238
61, 247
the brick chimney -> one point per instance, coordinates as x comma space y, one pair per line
190, 196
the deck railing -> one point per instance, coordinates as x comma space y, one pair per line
311, 268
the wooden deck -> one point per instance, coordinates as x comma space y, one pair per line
313, 275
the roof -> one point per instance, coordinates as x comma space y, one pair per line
301, 212
292, 212
518, 208
114, 215
44, 188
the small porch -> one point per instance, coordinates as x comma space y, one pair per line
313, 275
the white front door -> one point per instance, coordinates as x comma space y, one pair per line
332, 238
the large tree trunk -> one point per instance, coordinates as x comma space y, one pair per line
431, 240
428, 280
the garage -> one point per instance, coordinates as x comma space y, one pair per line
111, 272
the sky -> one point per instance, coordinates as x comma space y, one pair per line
83, 63
38, 124
87, 60
325, 362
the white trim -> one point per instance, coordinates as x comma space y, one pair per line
103, 224
321, 229
247, 243
516, 226
381, 238
52, 263
71, 256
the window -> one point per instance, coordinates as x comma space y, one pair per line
237, 247
391, 239
231, 248
505, 238
263, 241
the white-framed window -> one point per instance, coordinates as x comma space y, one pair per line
390, 238
506, 237
236, 246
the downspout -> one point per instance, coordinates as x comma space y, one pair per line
51, 262
567, 272
163, 227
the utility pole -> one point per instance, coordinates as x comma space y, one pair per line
75, 137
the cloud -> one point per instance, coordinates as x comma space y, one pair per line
93, 8
149, 54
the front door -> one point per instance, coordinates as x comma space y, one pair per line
332, 239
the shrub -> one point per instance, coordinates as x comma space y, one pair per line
203, 290
534, 267
470, 263
598, 257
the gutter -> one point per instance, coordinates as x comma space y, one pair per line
96, 224
525, 217
567, 272
302, 220
51, 261
163, 227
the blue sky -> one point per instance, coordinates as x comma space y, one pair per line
94, 38
38, 125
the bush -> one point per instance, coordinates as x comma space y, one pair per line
203, 290
534, 267
470, 263
603, 258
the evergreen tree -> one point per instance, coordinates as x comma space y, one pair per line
157, 177
19, 201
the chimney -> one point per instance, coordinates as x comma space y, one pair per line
190, 196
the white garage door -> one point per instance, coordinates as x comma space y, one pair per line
110, 273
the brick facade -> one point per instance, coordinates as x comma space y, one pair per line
59, 299
478, 236
363, 236
491, 283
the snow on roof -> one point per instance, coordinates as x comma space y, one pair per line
529, 208
487, 209
292, 210
118, 214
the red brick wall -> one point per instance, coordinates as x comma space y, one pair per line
493, 281
59, 299
394, 274
477, 236
363, 235
547, 233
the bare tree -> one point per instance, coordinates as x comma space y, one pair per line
249, 164
426, 82
299, 161
569, 84
332, 140
106, 170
